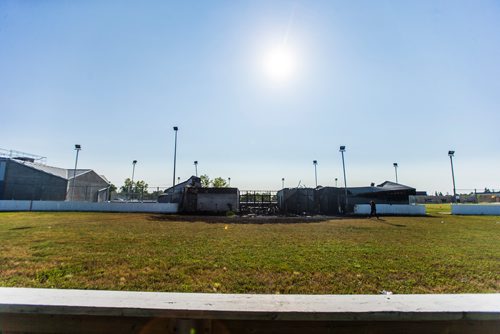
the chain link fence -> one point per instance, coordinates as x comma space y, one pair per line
149, 194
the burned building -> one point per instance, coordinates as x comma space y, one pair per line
332, 200
193, 198
297, 200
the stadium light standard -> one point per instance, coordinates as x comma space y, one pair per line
196, 167
77, 148
315, 163
175, 154
342, 150
132, 182
396, 170
282, 183
451, 154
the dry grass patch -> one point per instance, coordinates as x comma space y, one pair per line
433, 254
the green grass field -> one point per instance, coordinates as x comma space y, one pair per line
439, 253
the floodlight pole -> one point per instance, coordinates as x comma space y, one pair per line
315, 163
342, 150
196, 168
229, 181
175, 154
396, 170
282, 183
133, 170
77, 148
451, 155
336, 179
132, 182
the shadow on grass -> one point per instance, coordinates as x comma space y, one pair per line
21, 228
383, 221
243, 219
392, 224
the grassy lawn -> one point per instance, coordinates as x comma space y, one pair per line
439, 253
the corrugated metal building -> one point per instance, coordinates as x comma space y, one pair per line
22, 179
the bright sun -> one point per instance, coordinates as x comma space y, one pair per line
280, 63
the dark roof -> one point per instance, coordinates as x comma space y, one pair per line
193, 181
63, 173
394, 186
383, 187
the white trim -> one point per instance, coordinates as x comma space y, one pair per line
16, 205
252, 307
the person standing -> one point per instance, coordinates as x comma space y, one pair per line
373, 209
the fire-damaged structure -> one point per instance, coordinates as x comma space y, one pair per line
193, 198
332, 200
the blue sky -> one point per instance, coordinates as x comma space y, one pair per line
394, 81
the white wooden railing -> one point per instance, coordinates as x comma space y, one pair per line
89, 311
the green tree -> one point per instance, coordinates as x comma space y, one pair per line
219, 182
128, 186
141, 187
205, 181
112, 188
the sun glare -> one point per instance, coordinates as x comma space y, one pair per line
280, 63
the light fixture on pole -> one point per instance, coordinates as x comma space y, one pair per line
282, 183
451, 154
196, 168
178, 179
175, 153
77, 148
396, 170
131, 185
229, 181
336, 181
315, 163
342, 150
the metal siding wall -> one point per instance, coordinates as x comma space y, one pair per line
87, 187
3, 166
25, 183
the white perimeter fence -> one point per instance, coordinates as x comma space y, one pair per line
359, 209
391, 209
87, 206
476, 209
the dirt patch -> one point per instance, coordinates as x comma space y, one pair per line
245, 219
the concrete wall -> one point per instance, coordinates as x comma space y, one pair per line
391, 209
475, 209
21, 182
87, 206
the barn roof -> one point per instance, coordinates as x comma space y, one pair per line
57, 171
